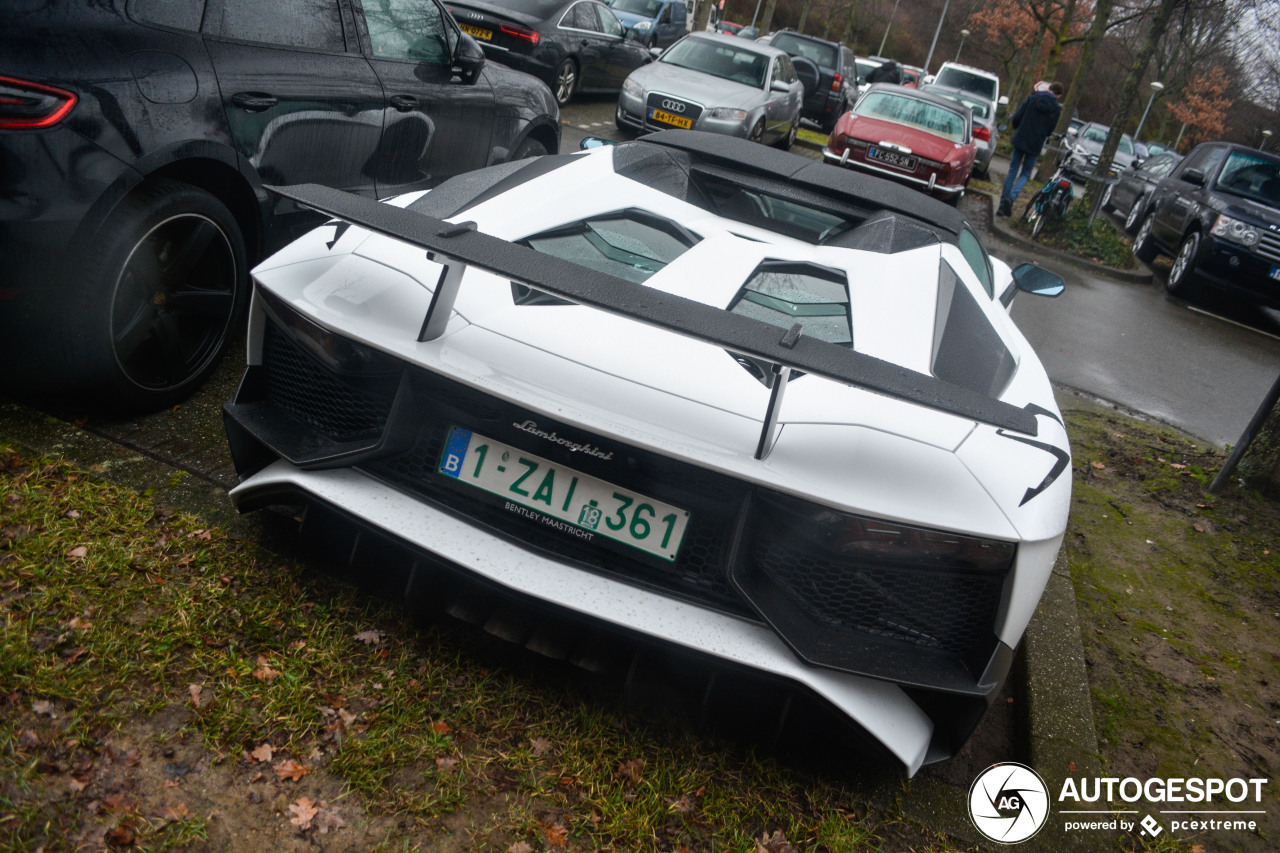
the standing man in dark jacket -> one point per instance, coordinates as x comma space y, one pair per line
889, 72
1033, 122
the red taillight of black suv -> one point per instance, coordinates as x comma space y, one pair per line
26, 106
836, 80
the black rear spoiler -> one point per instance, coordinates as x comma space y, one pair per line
458, 246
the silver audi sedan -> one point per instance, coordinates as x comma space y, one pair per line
716, 83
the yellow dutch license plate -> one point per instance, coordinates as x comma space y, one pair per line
478, 32
668, 118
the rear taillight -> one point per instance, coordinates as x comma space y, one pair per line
25, 105
983, 133
836, 81
522, 33
1064, 183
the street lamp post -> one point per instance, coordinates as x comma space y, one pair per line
885, 38
936, 32
1266, 137
1156, 87
964, 34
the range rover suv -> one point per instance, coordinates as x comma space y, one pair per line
1218, 215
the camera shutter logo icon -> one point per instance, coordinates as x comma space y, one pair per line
1009, 803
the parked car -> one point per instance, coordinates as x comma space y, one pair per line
729, 28
1085, 146
1128, 195
573, 46
909, 136
658, 23
629, 468
716, 83
1154, 148
912, 76
752, 33
863, 66
827, 70
1218, 214
970, 79
986, 135
137, 139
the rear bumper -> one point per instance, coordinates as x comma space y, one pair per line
885, 711
930, 186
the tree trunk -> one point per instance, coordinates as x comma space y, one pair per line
848, 25
1128, 99
1084, 72
767, 20
1060, 41
804, 15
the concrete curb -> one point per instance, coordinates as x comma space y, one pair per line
1058, 706
1142, 275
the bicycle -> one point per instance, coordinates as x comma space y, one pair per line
1050, 202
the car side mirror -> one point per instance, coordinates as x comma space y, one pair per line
468, 59
1004, 101
1038, 280
779, 85
1194, 176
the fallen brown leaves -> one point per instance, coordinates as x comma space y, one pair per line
291, 770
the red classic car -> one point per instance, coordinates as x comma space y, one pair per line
908, 136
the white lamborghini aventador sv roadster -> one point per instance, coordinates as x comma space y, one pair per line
687, 391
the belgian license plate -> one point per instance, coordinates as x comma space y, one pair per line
668, 118
893, 158
1275, 273
562, 496
478, 32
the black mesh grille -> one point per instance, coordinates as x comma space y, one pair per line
946, 611
305, 388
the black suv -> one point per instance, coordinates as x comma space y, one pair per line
1218, 214
137, 140
828, 72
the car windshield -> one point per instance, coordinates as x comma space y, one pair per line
865, 67
643, 8
1095, 133
1252, 176
822, 55
913, 112
958, 78
719, 60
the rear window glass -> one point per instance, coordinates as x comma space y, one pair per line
630, 244
784, 294
913, 113
958, 78
822, 55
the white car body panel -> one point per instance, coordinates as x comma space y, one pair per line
838, 446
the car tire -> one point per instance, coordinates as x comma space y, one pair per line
1144, 248
1183, 279
789, 139
1134, 219
566, 81
757, 132
161, 294
1107, 206
530, 147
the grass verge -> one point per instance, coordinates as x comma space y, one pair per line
166, 687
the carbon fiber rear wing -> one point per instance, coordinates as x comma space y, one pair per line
456, 247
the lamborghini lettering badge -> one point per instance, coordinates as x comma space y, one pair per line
589, 449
